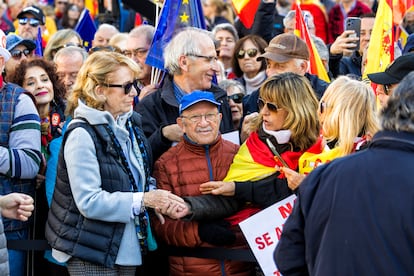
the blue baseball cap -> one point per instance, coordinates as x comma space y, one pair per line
196, 97
13, 40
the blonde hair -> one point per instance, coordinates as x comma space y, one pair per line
350, 111
95, 72
57, 40
295, 94
117, 39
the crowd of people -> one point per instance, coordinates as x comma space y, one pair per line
117, 165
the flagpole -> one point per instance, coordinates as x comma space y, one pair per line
155, 72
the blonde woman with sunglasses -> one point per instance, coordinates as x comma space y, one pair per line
348, 117
286, 127
98, 220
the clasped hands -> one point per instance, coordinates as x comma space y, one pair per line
166, 203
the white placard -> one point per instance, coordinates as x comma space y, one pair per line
263, 230
233, 136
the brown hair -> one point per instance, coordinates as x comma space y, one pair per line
259, 42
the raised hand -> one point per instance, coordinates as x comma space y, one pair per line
218, 188
293, 177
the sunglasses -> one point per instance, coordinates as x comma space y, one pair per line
271, 106
237, 98
387, 89
127, 86
250, 52
18, 53
322, 106
32, 21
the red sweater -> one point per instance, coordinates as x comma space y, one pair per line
336, 20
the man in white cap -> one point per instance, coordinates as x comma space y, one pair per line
30, 18
20, 154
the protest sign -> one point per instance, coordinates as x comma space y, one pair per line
263, 231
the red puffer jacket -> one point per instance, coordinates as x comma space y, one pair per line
181, 170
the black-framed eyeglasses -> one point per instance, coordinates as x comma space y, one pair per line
210, 59
322, 106
209, 117
62, 3
18, 53
138, 52
32, 21
127, 86
271, 106
237, 98
250, 52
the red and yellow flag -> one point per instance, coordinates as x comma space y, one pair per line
316, 65
246, 11
381, 48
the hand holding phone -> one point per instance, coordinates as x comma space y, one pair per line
354, 24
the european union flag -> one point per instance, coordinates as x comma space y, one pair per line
39, 43
175, 15
86, 29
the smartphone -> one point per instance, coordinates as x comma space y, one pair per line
354, 23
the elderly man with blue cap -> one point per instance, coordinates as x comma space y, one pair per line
202, 155
20, 49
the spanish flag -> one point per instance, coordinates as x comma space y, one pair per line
246, 11
381, 47
255, 161
316, 65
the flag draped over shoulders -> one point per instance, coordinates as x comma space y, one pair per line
310, 161
255, 161
175, 15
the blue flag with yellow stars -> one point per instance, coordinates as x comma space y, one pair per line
86, 29
175, 15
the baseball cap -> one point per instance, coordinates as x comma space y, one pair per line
395, 71
285, 47
196, 97
35, 11
13, 40
3, 51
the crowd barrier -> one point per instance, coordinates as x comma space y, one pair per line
198, 252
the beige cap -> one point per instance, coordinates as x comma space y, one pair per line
284, 47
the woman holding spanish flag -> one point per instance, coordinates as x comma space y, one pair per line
287, 126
